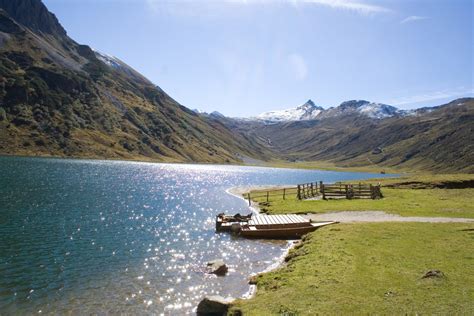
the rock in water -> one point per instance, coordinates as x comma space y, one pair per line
214, 305
217, 267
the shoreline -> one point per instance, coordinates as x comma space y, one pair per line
375, 216
320, 165
237, 192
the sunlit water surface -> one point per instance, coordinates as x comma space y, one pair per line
95, 236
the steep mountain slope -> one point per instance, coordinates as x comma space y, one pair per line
438, 139
63, 99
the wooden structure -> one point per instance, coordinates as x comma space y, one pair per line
287, 226
350, 191
314, 189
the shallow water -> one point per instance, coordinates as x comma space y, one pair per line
95, 236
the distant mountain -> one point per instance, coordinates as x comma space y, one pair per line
310, 111
307, 111
362, 107
359, 133
60, 98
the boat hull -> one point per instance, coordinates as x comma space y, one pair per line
280, 233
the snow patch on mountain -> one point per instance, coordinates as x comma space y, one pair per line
378, 110
307, 111
112, 61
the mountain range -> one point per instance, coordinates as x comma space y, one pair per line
311, 111
61, 98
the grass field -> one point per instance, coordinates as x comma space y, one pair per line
372, 268
327, 165
404, 201
377, 268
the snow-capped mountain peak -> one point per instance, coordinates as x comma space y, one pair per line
370, 109
307, 111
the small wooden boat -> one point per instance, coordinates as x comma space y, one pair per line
267, 226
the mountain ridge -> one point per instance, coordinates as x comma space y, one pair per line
310, 111
58, 98
440, 138
61, 98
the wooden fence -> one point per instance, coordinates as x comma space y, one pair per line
350, 191
326, 191
267, 194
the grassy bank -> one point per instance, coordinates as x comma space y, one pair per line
328, 165
372, 268
400, 197
405, 202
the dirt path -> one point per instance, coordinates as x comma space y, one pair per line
379, 216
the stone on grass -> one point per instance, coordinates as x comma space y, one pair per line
433, 274
217, 267
214, 305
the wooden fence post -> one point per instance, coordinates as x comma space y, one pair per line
267, 196
298, 194
321, 186
322, 191
347, 192
312, 189
372, 192
284, 192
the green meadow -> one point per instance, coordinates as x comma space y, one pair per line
377, 268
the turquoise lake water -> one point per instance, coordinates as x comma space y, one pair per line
92, 236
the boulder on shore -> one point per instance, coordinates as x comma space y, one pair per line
214, 305
217, 267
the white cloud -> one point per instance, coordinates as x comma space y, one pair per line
356, 6
349, 5
433, 96
413, 18
298, 66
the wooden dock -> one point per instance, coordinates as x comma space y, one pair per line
290, 219
287, 226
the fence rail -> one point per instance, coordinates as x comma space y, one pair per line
314, 189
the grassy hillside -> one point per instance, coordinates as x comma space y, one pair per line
57, 98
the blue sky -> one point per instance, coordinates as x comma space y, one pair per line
245, 57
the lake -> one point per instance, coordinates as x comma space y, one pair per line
95, 236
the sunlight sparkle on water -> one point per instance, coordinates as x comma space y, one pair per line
125, 237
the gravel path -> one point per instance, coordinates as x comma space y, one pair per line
379, 216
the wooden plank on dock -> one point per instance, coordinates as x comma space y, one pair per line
272, 220
300, 219
277, 219
288, 219
293, 218
282, 219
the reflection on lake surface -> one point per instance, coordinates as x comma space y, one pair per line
96, 236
